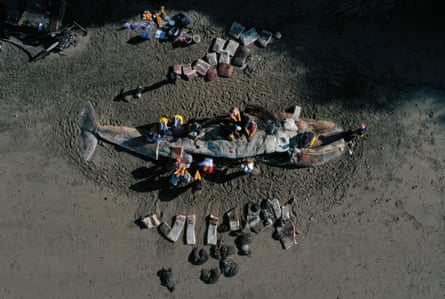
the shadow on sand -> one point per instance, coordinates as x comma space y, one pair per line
157, 178
150, 179
124, 95
337, 71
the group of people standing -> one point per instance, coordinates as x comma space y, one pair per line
239, 124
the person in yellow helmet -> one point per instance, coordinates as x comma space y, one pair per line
178, 121
163, 125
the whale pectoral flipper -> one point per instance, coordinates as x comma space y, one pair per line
87, 123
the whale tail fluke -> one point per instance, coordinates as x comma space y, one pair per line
88, 124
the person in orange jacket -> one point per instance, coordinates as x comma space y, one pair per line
235, 114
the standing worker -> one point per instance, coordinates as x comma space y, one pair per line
163, 125
178, 121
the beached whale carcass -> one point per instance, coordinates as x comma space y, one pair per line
278, 139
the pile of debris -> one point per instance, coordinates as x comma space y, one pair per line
224, 54
166, 29
37, 29
256, 217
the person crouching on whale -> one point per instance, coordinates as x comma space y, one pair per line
251, 128
235, 114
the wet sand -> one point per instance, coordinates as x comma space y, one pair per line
369, 225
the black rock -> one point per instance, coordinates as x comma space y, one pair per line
228, 267
210, 276
198, 257
166, 278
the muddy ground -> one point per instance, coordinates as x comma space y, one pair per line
370, 224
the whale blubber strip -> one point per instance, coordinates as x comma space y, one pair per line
190, 231
177, 228
212, 230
